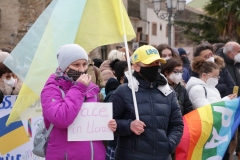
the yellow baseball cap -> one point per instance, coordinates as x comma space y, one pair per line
146, 54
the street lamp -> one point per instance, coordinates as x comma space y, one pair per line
172, 7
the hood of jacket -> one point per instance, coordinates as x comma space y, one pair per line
6, 89
161, 83
219, 61
193, 81
105, 66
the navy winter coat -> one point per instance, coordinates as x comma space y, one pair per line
160, 113
232, 67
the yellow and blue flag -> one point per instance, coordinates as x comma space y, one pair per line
89, 23
11, 136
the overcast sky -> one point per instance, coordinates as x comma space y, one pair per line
189, 1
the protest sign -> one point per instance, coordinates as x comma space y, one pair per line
9, 149
92, 123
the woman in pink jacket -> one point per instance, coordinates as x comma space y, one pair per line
61, 110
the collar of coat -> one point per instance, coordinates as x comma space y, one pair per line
165, 89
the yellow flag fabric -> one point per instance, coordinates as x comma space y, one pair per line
89, 23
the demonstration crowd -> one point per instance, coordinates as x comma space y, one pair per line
167, 85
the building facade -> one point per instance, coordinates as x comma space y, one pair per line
17, 16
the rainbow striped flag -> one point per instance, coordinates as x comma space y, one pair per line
89, 23
208, 131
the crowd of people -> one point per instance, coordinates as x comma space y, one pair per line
165, 81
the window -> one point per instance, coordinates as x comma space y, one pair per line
160, 27
134, 8
154, 29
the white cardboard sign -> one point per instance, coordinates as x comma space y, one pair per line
92, 123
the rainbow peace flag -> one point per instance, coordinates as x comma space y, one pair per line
89, 23
208, 131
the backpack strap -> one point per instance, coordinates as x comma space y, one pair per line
49, 130
51, 125
205, 92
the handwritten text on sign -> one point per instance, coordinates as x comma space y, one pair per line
92, 123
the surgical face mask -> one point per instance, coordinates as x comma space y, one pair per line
10, 82
237, 58
74, 74
175, 78
166, 58
212, 82
211, 59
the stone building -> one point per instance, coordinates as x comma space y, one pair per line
16, 17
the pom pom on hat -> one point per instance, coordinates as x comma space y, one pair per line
68, 54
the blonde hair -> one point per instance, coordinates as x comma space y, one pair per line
115, 54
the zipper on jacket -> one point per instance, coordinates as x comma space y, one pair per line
66, 156
151, 103
151, 86
92, 150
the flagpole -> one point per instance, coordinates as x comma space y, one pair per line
131, 78
128, 62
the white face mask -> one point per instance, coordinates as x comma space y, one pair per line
212, 82
175, 78
211, 59
166, 58
237, 58
10, 82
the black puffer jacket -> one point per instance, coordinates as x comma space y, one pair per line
232, 67
183, 99
160, 113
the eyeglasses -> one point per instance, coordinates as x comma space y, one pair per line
218, 77
208, 55
177, 72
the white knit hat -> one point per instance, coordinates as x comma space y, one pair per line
3, 55
69, 53
115, 54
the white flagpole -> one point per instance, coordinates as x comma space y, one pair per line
128, 62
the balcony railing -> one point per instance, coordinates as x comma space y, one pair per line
142, 37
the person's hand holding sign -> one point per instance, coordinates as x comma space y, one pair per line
112, 125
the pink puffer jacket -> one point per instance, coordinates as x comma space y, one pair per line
61, 112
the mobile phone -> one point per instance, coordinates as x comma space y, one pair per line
235, 90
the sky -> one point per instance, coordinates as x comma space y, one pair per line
188, 1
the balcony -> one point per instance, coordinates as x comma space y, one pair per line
142, 38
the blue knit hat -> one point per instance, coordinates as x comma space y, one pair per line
181, 51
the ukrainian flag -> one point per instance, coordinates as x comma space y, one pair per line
89, 23
11, 136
